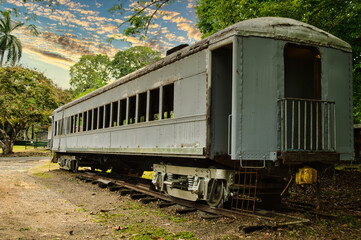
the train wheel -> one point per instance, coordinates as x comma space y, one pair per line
215, 192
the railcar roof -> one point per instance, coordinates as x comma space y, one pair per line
285, 29
268, 27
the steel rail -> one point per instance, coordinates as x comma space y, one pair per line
144, 188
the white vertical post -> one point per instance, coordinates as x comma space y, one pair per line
305, 128
282, 126
334, 125
127, 112
293, 125
136, 108
161, 102
329, 135
317, 125
148, 105
118, 114
299, 125
286, 126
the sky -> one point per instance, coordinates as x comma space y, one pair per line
79, 27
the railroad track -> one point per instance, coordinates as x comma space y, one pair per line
140, 189
311, 209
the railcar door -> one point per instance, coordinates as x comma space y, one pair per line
302, 92
221, 105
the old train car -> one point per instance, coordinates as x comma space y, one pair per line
270, 94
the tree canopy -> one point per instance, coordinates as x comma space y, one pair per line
94, 71
339, 17
90, 72
133, 58
8, 42
29, 97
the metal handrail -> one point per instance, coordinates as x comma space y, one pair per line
307, 124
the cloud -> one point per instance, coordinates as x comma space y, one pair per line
98, 4
45, 57
170, 36
191, 29
65, 42
71, 4
49, 54
180, 20
183, 24
168, 15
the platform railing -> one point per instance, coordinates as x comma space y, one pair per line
307, 125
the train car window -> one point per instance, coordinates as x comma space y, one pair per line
168, 101
67, 125
142, 107
122, 112
114, 114
107, 116
101, 117
131, 114
85, 120
90, 114
95, 118
61, 127
154, 105
72, 124
76, 120
56, 128
80, 122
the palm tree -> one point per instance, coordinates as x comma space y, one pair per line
8, 41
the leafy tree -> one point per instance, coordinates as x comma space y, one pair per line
339, 17
8, 41
27, 97
90, 72
94, 71
141, 15
133, 58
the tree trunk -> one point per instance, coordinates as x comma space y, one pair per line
2, 58
8, 145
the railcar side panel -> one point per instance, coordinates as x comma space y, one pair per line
261, 77
183, 134
337, 86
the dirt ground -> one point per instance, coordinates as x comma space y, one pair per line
39, 201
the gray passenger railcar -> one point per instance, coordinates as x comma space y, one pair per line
269, 94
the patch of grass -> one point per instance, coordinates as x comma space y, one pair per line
42, 175
349, 221
141, 232
43, 170
178, 219
104, 217
81, 209
328, 193
310, 231
230, 237
159, 213
130, 205
25, 229
28, 149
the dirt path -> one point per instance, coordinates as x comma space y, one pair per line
40, 204
33, 211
